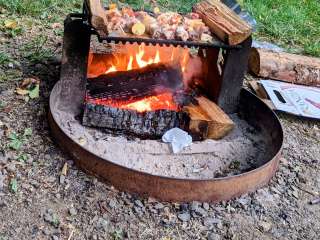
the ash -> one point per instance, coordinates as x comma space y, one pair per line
242, 150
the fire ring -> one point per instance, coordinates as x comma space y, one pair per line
254, 111
66, 100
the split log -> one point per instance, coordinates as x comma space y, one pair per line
151, 124
136, 84
98, 17
223, 22
287, 67
207, 120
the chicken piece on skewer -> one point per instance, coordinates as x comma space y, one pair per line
169, 31
155, 31
113, 13
129, 22
192, 15
181, 33
206, 38
170, 18
127, 11
116, 24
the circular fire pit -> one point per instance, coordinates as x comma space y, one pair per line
162, 184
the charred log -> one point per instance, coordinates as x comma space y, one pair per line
151, 124
136, 84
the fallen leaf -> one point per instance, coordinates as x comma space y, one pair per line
21, 91
10, 24
28, 81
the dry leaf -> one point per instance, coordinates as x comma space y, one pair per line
10, 24
28, 81
30, 87
21, 91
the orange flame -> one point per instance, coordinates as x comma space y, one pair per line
127, 57
152, 103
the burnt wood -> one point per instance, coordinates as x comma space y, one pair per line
136, 84
151, 124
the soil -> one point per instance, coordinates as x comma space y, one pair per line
40, 201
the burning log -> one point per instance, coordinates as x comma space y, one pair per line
137, 83
150, 124
207, 120
285, 66
222, 21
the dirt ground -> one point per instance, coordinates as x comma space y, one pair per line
37, 203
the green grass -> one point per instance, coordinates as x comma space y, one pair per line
293, 24
4, 58
40, 8
35, 51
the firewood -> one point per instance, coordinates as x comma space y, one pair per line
207, 120
137, 83
98, 18
285, 66
151, 124
223, 22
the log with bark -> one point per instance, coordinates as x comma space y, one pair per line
151, 124
98, 17
202, 119
207, 120
137, 83
285, 66
223, 22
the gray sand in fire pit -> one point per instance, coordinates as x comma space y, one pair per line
241, 150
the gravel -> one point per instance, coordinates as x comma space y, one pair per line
184, 217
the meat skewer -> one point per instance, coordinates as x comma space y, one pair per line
169, 25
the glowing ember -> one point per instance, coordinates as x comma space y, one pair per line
153, 103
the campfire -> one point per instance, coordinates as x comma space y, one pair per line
153, 85
141, 63
129, 77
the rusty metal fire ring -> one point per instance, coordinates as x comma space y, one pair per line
256, 112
